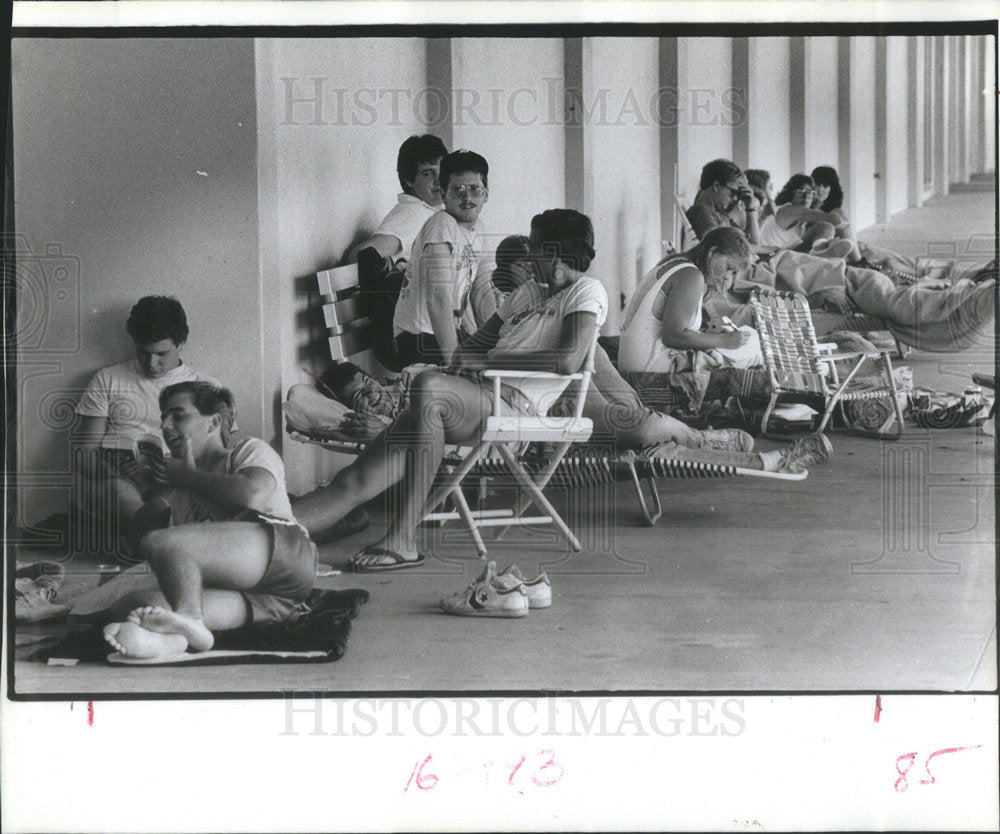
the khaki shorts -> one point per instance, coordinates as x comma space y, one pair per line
290, 575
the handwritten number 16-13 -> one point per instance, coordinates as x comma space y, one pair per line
547, 772
910, 759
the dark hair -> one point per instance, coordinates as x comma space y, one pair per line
510, 250
825, 175
336, 376
758, 178
725, 240
157, 317
565, 233
414, 152
208, 399
794, 183
718, 170
461, 162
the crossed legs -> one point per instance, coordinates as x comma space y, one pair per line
201, 570
443, 410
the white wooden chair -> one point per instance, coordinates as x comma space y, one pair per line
350, 340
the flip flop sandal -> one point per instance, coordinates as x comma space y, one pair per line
397, 561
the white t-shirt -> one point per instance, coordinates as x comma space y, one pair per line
466, 260
129, 400
188, 507
533, 321
404, 222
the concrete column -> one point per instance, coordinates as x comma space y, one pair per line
439, 87
577, 58
964, 90
941, 88
882, 210
798, 51
915, 113
844, 166
741, 87
670, 227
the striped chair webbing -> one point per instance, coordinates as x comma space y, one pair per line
788, 342
574, 470
667, 468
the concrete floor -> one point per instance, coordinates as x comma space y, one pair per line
875, 573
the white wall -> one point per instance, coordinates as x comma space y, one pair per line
509, 100
821, 140
898, 130
860, 190
137, 157
705, 107
328, 176
626, 166
770, 128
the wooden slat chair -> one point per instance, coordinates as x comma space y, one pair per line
799, 371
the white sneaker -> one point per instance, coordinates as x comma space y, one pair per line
538, 590
483, 598
805, 452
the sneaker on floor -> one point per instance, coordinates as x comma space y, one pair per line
727, 440
807, 451
32, 603
48, 576
484, 599
538, 590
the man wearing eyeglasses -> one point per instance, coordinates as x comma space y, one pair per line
725, 199
440, 299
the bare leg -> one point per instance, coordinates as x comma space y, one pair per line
225, 555
377, 468
636, 426
443, 409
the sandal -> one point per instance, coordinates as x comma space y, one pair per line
365, 561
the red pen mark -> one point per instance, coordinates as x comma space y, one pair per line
552, 778
517, 767
901, 783
425, 781
878, 708
90, 713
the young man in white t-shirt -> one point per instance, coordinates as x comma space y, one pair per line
121, 404
418, 166
548, 328
446, 293
231, 551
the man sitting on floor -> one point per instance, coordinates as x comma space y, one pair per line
119, 405
251, 562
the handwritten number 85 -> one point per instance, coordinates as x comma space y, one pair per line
902, 784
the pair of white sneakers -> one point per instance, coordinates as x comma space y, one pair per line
503, 594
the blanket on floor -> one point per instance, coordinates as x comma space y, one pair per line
317, 636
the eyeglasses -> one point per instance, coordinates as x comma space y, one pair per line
463, 190
805, 190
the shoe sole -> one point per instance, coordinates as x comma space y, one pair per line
500, 613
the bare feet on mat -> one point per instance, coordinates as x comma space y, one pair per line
135, 641
165, 621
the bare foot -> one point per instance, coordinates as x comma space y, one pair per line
135, 641
165, 621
